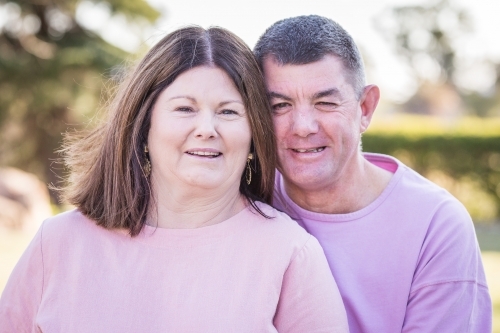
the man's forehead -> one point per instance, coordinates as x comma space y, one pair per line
325, 77
329, 65
271, 60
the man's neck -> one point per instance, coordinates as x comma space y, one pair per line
351, 192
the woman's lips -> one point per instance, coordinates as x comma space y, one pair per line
204, 152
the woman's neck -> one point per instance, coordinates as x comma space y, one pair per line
195, 208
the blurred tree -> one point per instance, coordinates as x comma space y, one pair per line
488, 103
51, 75
427, 37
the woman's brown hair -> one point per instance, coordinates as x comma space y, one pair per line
107, 182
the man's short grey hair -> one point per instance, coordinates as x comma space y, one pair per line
305, 39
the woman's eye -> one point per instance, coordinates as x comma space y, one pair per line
184, 109
228, 112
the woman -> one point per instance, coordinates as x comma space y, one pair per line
173, 232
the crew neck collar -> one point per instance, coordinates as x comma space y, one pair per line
386, 162
166, 237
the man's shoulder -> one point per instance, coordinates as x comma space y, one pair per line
415, 200
409, 183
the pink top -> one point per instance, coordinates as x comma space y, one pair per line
408, 262
246, 274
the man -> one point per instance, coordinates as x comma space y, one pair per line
403, 250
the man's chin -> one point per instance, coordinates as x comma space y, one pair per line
308, 179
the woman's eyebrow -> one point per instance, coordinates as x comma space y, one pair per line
230, 101
192, 99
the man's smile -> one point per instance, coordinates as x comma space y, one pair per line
308, 150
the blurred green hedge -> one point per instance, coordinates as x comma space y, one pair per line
463, 156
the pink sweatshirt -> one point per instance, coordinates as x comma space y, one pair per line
246, 274
408, 262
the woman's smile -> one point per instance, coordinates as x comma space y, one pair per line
204, 152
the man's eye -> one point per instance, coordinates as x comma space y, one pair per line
280, 107
326, 106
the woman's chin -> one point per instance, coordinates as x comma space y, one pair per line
208, 182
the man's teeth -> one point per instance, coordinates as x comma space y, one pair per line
312, 150
203, 153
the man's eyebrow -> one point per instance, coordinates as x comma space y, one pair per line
272, 94
326, 93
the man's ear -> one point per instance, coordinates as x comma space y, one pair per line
368, 103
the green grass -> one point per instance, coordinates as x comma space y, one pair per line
488, 236
12, 244
491, 262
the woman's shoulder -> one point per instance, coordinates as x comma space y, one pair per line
69, 220
70, 225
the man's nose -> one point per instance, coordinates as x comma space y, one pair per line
206, 124
304, 121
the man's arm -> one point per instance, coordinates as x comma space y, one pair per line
449, 291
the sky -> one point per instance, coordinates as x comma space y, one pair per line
249, 19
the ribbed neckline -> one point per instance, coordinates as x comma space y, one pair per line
372, 158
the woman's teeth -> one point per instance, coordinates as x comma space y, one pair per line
204, 153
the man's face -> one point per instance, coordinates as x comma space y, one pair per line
318, 121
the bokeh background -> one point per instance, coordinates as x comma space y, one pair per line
437, 63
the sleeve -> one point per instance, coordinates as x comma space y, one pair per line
21, 297
449, 307
310, 300
449, 291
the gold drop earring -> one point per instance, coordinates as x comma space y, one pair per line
147, 166
248, 174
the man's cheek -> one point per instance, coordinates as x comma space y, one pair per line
280, 126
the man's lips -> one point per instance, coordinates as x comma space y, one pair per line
308, 150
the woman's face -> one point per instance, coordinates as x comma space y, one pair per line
200, 135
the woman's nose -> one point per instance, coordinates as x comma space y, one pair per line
206, 125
